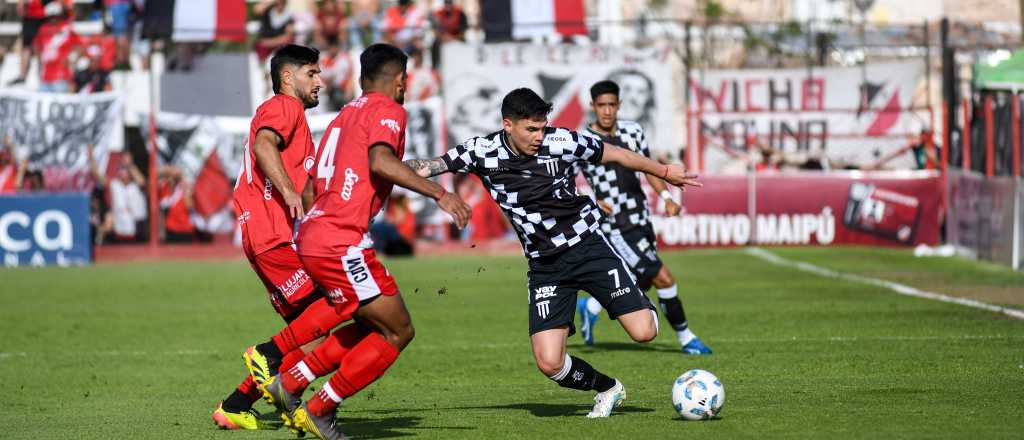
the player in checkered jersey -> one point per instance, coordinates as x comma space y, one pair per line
529, 169
626, 222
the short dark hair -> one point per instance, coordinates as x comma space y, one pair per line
376, 59
524, 103
603, 88
290, 55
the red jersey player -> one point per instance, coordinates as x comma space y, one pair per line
267, 202
358, 162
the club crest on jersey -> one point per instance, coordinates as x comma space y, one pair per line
350, 180
550, 164
308, 163
390, 123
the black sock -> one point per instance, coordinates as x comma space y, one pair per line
581, 376
236, 402
272, 353
672, 308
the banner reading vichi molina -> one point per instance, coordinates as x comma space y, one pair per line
54, 130
850, 116
477, 77
813, 209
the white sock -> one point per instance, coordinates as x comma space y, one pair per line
685, 336
669, 292
593, 306
330, 393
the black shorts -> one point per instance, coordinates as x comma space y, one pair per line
29, 30
637, 247
590, 265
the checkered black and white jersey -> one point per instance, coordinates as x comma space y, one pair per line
617, 185
537, 193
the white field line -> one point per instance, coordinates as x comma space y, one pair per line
901, 289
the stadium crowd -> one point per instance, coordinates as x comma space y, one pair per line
129, 30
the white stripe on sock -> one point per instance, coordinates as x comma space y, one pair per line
685, 336
330, 393
669, 292
566, 366
306, 372
657, 324
593, 306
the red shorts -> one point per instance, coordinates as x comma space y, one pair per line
290, 288
353, 277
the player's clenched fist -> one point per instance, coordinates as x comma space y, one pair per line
453, 205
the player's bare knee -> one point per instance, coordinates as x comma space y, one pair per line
401, 336
550, 365
645, 335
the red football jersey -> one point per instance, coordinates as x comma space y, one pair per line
348, 196
262, 214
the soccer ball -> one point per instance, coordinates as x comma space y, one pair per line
698, 395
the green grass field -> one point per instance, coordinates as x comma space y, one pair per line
146, 350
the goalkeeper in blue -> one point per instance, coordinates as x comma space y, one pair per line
626, 221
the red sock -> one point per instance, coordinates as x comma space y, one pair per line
317, 320
248, 388
289, 360
324, 359
364, 364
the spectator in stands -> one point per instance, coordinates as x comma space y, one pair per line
303, 13
95, 64
118, 19
404, 24
331, 26
100, 220
127, 202
277, 27
176, 201
33, 15
11, 173
337, 72
32, 180
422, 80
394, 233
450, 22
364, 24
57, 44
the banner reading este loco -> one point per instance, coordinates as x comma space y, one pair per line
476, 78
53, 131
811, 112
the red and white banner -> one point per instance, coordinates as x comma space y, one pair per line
209, 20
209, 152
477, 77
813, 112
817, 209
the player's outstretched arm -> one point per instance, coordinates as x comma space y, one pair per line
674, 174
427, 167
671, 207
385, 164
268, 158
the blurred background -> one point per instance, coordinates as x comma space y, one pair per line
817, 123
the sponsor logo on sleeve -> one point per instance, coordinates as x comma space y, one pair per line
391, 124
